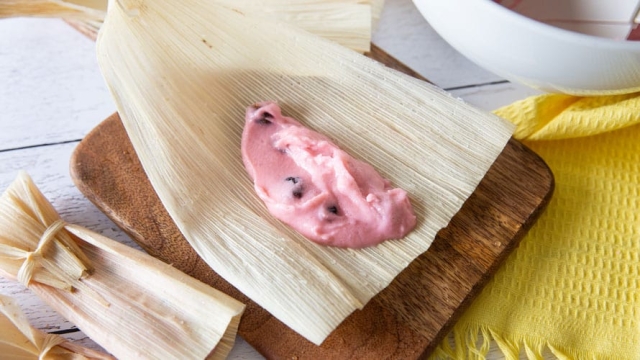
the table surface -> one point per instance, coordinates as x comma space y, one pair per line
52, 94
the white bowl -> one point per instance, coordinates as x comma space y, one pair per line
542, 56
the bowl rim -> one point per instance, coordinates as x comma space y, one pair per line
561, 34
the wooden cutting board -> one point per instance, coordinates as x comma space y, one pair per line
407, 319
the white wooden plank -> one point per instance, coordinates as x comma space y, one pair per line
50, 87
49, 168
406, 35
243, 351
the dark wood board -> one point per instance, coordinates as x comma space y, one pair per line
407, 319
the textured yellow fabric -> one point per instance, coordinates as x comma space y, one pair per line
573, 286
553, 117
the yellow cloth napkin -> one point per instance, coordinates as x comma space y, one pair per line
572, 288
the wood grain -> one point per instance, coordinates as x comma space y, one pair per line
407, 319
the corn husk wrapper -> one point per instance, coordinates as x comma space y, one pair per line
376, 11
182, 76
85, 14
347, 22
134, 306
18, 340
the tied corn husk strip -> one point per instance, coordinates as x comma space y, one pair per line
18, 340
33, 249
347, 22
133, 305
182, 75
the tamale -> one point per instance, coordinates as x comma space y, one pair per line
131, 304
18, 340
181, 76
347, 22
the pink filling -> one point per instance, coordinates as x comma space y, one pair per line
307, 182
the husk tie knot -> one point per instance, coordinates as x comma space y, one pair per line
31, 258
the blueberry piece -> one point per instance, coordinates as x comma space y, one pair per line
297, 193
294, 180
265, 119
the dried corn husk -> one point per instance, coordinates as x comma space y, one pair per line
18, 340
376, 11
88, 14
131, 304
182, 75
348, 22
90, 10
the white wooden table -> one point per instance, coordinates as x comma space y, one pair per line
52, 94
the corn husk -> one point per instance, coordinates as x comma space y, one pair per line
182, 75
347, 22
376, 11
134, 306
88, 14
18, 340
